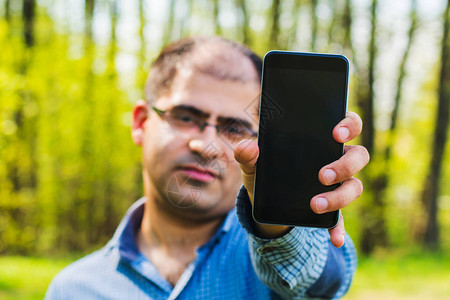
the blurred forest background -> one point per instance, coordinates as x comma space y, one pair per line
70, 72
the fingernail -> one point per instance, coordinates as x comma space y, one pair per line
329, 175
344, 133
321, 204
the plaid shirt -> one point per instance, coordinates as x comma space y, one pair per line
234, 264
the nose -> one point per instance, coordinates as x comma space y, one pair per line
205, 143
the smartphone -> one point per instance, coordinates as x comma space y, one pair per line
303, 97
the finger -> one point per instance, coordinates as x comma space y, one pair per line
348, 192
337, 234
348, 128
354, 159
246, 154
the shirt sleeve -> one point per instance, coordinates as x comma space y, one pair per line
302, 264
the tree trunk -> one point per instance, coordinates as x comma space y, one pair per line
245, 26
21, 165
374, 231
168, 32
402, 73
348, 44
8, 11
381, 181
27, 124
185, 27
141, 72
368, 134
141, 33
275, 31
218, 28
103, 224
314, 25
431, 186
113, 40
76, 221
88, 17
293, 31
331, 27
28, 13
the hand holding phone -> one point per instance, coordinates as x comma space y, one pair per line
354, 159
303, 97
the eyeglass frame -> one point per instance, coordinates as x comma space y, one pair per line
201, 124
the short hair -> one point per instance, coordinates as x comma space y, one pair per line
172, 57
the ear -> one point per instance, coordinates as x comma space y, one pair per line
140, 115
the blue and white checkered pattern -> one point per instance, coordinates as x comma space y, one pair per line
234, 264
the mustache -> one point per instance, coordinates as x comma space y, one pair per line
217, 166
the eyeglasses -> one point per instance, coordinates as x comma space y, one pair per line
190, 119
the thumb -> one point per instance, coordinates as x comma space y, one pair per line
246, 154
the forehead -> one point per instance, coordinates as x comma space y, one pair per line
223, 61
234, 92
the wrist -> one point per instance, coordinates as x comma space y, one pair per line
266, 231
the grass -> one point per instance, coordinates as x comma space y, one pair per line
27, 277
398, 275
385, 276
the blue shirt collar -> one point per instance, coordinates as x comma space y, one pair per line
125, 236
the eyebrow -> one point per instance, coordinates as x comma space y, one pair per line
205, 115
229, 120
192, 109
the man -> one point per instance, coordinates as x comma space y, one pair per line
188, 238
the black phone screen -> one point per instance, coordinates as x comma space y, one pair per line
303, 97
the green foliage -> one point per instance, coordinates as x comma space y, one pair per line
406, 170
68, 168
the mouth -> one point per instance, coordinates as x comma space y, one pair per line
198, 173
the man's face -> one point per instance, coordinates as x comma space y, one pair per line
193, 172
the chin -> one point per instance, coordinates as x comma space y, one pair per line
199, 203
